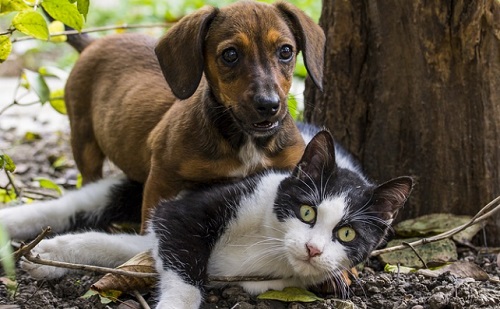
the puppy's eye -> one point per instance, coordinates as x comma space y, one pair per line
307, 213
285, 53
346, 234
230, 56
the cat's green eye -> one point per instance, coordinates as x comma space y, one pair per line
346, 234
307, 213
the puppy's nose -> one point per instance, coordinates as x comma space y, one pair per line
267, 105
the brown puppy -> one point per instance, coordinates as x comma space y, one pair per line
221, 113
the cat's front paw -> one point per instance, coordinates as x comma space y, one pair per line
51, 249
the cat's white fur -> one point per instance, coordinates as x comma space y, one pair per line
29, 220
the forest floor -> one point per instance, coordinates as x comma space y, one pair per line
35, 156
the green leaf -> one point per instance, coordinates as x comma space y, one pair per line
83, 7
31, 23
60, 163
388, 268
57, 101
37, 82
290, 294
49, 184
7, 6
5, 47
64, 11
105, 297
7, 164
31, 136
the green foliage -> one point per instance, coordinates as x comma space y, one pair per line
6, 163
49, 184
30, 21
65, 12
5, 47
7, 194
36, 82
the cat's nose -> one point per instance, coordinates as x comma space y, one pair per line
312, 250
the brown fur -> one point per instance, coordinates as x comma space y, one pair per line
198, 125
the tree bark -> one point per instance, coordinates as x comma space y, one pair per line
413, 88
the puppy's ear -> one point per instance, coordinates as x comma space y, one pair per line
311, 39
180, 52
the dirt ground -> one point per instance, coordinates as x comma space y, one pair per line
373, 289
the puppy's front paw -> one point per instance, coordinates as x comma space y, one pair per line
51, 249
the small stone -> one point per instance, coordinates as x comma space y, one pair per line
231, 291
438, 300
417, 307
212, 299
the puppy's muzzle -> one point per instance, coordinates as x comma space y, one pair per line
267, 105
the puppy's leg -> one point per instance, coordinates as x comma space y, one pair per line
91, 248
158, 186
88, 156
86, 204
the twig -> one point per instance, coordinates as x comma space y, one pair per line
26, 249
141, 299
37, 260
11, 181
416, 253
104, 270
240, 278
99, 29
482, 215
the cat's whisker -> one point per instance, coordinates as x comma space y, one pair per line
282, 232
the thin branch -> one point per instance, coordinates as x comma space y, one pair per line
482, 215
26, 249
240, 278
7, 32
11, 182
100, 29
416, 253
141, 299
37, 260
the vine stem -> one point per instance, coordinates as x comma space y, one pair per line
100, 29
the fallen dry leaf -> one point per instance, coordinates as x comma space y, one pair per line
458, 269
143, 263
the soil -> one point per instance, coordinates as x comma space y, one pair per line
373, 289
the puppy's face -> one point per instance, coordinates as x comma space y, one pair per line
250, 54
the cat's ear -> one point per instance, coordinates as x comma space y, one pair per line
318, 158
389, 197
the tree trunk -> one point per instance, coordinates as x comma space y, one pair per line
413, 88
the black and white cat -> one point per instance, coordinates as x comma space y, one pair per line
304, 227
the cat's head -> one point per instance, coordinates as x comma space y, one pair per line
332, 217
